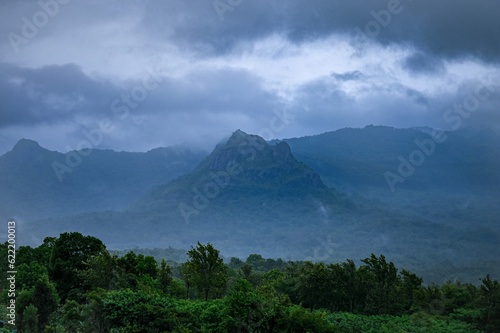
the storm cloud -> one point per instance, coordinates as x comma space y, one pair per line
169, 72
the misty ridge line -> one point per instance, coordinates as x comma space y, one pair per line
222, 178
120, 108
453, 116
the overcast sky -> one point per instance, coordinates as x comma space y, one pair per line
135, 75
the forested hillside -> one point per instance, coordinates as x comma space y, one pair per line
71, 283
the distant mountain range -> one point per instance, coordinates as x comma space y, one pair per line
357, 159
38, 183
415, 195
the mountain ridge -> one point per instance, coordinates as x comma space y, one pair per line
251, 196
95, 180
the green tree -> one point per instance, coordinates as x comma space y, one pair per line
315, 285
72, 318
302, 320
165, 276
23, 300
42, 296
28, 274
45, 299
490, 317
236, 263
207, 271
93, 311
410, 284
187, 275
344, 286
40, 255
136, 311
455, 296
383, 281
69, 254
243, 310
256, 260
246, 271
30, 319
137, 266
103, 271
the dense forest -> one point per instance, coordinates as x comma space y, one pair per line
72, 283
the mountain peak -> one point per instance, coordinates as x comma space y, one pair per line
239, 137
26, 145
238, 134
259, 162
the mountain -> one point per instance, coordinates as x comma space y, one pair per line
249, 196
451, 178
358, 159
245, 166
244, 187
37, 183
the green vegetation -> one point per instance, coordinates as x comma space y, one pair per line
73, 284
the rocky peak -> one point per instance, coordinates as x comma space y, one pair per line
260, 162
236, 137
26, 145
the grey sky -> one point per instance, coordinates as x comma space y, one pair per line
169, 72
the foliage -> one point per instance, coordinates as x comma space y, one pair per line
103, 271
165, 276
72, 318
419, 322
45, 299
30, 319
69, 254
134, 293
206, 270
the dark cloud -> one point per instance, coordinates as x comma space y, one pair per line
49, 94
199, 94
446, 28
59, 93
202, 101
